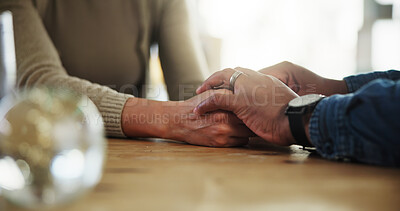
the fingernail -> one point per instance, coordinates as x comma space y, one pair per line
198, 89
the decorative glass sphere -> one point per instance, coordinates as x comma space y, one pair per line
52, 147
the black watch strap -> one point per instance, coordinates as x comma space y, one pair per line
297, 129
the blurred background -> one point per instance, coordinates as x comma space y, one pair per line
332, 38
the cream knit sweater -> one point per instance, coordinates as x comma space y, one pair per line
101, 48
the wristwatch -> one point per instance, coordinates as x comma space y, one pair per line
296, 110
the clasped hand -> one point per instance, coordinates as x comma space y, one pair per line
259, 99
222, 118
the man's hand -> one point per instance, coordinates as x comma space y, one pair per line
303, 81
259, 101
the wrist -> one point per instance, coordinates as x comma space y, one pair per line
299, 112
306, 121
143, 118
335, 87
172, 128
286, 133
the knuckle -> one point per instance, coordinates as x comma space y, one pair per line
241, 69
286, 63
226, 69
215, 98
222, 92
223, 129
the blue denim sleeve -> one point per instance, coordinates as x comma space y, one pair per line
363, 126
355, 82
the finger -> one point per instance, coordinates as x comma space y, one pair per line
218, 79
232, 125
217, 101
222, 116
229, 142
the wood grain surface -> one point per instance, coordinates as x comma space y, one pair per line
167, 175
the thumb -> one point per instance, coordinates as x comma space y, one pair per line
217, 101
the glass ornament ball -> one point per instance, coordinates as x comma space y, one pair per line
52, 147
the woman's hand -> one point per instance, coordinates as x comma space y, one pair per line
217, 128
259, 101
303, 81
176, 120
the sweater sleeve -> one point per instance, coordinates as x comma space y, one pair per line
181, 57
38, 63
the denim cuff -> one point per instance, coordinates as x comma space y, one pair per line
328, 130
355, 82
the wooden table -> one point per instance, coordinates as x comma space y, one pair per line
167, 175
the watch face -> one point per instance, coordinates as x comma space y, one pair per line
305, 100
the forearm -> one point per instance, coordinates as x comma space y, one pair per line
149, 118
304, 81
145, 118
332, 87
